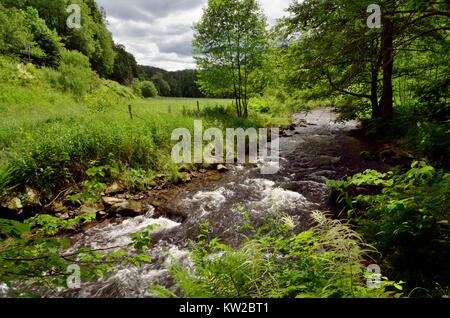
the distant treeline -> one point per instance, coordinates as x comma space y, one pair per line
174, 84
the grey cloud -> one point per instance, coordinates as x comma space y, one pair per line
128, 30
158, 32
146, 10
182, 47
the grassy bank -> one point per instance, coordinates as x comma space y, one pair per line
51, 134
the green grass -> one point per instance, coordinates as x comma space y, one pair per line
47, 148
49, 137
173, 105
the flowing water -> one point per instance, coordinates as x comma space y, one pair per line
317, 150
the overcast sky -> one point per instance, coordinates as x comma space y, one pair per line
158, 32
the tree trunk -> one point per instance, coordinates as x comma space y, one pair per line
387, 38
240, 84
376, 109
245, 89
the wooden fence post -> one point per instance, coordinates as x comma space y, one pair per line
131, 113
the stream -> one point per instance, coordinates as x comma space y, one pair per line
317, 150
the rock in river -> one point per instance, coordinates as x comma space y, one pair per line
124, 207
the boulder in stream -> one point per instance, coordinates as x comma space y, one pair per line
124, 207
222, 168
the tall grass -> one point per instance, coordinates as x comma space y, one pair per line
51, 134
327, 261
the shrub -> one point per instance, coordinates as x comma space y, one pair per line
423, 135
432, 140
148, 89
136, 87
433, 98
76, 74
406, 219
326, 261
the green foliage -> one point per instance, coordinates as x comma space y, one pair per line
137, 179
29, 260
21, 28
326, 261
330, 46
406, 218
50, 225
425, 136
142, 240
433, 98
14, 34
161, 85
15, 73
93, 186
274, 106
148, 89
92, 38
182, 83
54, 153
50, 146
47, 40
229, 41
125, 66
75, 73
432, 140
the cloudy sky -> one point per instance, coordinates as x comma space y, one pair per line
158, 32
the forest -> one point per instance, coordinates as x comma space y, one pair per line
89, 190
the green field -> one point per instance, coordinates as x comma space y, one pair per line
50, 137
173, 105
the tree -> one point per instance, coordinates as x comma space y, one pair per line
404, 23
125, 66
47, 40
20, 29
229, 41
148, 89
161, 84
14, 34
182, 83
335, 45
92, 38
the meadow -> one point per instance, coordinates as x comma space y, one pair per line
50, 135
